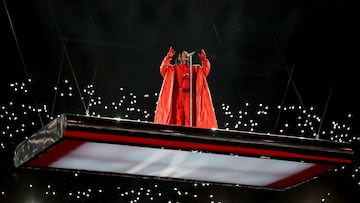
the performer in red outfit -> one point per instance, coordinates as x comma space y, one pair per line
173, 106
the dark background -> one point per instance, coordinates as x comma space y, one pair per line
266, 53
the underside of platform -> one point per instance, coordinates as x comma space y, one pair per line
147, 150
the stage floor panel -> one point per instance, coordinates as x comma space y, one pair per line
147, 150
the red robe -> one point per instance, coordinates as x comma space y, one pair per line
166, 105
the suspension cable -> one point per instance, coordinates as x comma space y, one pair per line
93, 86
290, 74
283, 99
57, 83
213, 24
67, 55
28, 79
325, 109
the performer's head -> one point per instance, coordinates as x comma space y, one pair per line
183, 58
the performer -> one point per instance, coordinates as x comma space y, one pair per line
173, 106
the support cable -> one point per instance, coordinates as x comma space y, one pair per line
28, 79
324, 112
57, 83
67, 56
290, 73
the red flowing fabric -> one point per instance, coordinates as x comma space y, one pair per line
166, 106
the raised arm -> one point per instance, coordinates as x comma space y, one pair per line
205, 63
166, 61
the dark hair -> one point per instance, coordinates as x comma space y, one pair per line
178, 59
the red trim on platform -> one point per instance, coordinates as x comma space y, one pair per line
301, 176
55, 153
196, 146
65, 147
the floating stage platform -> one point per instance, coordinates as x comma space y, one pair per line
147, 150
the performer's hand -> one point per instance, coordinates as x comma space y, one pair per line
171, 52
202, 54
